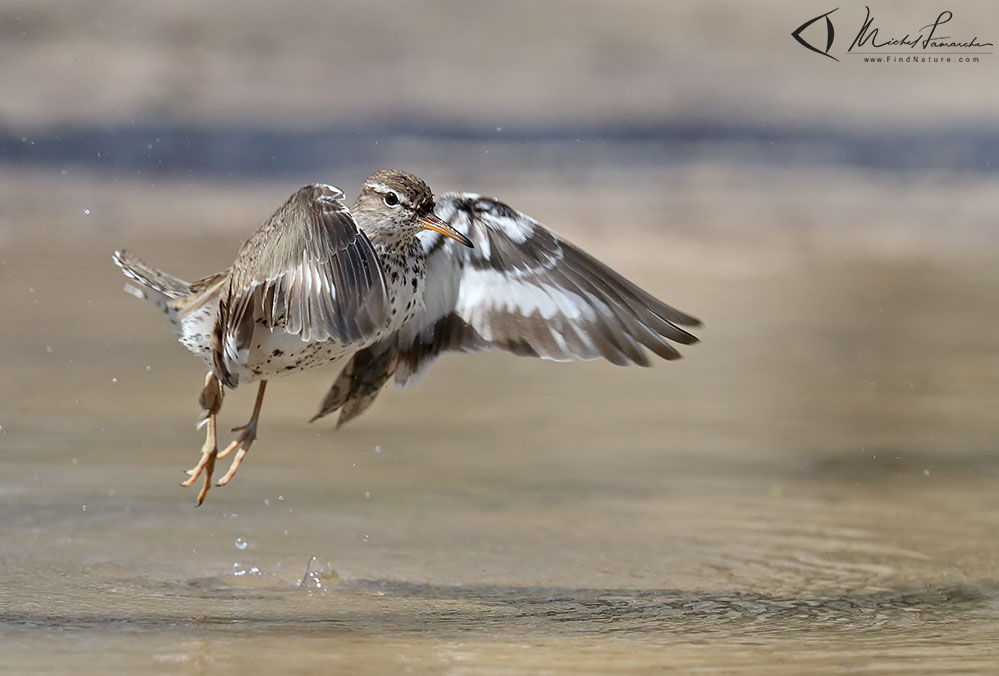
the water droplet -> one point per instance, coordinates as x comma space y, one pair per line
318, 577
267, 502
280, 497
75, 461
149, 368
926, 472
499, 128
364, 538
254, 571
378, 449
367, 495
285, 531
49, 348
114, 380
241, 543
86, 211
84, 508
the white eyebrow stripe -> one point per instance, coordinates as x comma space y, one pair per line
384, 189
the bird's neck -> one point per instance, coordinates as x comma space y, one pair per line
395, 244
383, 234
402, 263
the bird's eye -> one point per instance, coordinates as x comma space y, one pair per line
391, 199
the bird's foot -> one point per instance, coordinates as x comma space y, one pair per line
206, 465
242, 443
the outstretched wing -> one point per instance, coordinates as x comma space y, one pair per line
524, 289
521, 288
308, 271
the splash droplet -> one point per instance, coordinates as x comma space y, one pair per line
318, 577
241, 543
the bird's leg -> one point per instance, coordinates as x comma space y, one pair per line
210, 400
242, 443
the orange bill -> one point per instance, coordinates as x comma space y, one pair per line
431, 222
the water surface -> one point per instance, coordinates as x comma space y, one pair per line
812, 488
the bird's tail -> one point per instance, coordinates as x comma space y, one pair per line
156, 286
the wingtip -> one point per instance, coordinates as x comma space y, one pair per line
678, 335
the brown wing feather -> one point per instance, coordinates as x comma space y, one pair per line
308, 271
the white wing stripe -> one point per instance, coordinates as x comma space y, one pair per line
517, 230
479, 289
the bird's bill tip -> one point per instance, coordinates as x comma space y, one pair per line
431, 222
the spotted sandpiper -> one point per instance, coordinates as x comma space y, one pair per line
378, 290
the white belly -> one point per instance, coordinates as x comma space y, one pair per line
272, 353
277, 353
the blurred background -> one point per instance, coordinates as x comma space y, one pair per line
815, 480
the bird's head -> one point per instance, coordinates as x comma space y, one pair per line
394, 203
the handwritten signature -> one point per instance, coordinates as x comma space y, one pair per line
868, 35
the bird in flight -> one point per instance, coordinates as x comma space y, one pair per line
379, 290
